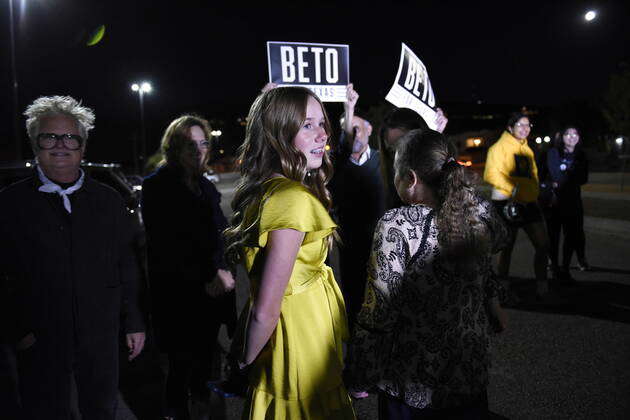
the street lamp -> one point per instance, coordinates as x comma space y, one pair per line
141, 88
14, 82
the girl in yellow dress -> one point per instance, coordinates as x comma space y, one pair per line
281, 231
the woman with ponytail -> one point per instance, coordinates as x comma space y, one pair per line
422, 335
281, 231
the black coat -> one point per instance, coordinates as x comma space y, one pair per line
69, 277
358, 203
184, 249
569, 171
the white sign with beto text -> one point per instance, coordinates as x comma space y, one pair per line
322, 68
412, 88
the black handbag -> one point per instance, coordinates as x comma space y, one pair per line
513, 211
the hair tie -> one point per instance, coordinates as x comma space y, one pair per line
450, 163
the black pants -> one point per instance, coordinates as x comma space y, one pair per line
45, 373
567, 218
390, 408
189, 370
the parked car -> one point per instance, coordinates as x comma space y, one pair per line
108, 173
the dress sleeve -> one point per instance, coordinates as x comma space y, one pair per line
386, 266
373, 333
291, 206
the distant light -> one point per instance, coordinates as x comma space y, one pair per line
132, 211
590, 15
547, 139
137, 187
327, 147
476, 142
135, 87
468, 163
216, 133
221, 151
619, 141
28, 164
538, 140
146, 87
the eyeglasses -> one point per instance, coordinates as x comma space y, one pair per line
204, 144
518, 124
49, 141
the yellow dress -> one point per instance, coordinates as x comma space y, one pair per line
297, 375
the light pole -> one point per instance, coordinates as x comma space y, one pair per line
141, 88
16, 111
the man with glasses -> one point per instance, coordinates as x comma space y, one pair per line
66, 254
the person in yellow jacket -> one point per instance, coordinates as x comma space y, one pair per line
511, 171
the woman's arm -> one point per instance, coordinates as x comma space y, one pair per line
280, 254
495, 172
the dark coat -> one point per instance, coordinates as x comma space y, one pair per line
358, 202
184, 249
569, 171
69, 277
68, 272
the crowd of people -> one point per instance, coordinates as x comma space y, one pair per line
410, 319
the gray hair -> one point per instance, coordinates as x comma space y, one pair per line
45, 106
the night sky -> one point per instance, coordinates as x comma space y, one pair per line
210, 57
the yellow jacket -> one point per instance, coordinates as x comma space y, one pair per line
511, 162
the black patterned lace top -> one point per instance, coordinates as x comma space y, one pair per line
422, 334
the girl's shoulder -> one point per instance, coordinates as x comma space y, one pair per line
287, 204
284, 192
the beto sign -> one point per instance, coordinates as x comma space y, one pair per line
323, 68
412, 88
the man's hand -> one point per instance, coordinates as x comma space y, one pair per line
351, 98
27, 341
351, 101
441, 120
135, 343
222, 283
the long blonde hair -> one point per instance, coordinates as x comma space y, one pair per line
274, 120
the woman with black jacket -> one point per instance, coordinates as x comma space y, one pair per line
191, 286
567, 171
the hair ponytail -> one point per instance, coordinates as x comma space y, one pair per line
462, 232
